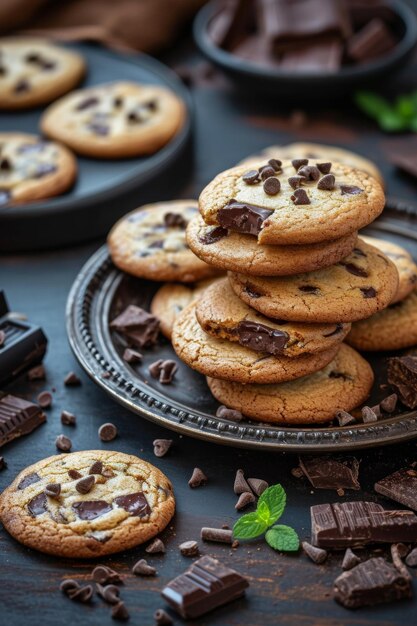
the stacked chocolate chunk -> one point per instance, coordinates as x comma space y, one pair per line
269, 336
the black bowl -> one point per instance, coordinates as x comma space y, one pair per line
281, 83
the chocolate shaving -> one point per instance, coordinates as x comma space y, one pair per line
142, 568
105, 575
109, 593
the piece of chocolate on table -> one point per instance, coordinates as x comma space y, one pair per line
326, 472
204, 586
22, 345
349, 524
137, 326
18, 417
400, 486
402, 376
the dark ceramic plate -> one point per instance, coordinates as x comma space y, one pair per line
101, 291
106, 189
247, 75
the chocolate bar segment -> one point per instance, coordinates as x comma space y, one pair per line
400, 486
349, 524
326, 472
18, 417
402, 376
203, 587
243, 217
373, 582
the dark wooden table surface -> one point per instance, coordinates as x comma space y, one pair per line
283, 589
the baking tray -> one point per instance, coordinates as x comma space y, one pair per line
105, 189
101, 291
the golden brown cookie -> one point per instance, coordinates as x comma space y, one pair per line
231, 361
87, 504
115, 120
343, 384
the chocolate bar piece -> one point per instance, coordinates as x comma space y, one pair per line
349, 524
18, 417
139, 327
321, 56
232, 23
372, 582
326, 472
22, 344
203, 587
242, 217
402, 376
373, 40
400, 486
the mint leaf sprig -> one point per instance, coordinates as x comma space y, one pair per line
271, 506
401, 115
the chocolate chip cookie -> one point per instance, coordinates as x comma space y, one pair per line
35, 72
32, 169
172, 298
394, 328
231, 361
318, 152
342, 385
228, 250
292, 202
87, 504
363, 283
403, 261
115, 120
150, 243
223, 315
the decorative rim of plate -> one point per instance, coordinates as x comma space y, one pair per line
89, 289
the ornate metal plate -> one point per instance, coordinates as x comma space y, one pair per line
101, 291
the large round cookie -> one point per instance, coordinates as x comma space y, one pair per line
403, 261
231, 361
172, 298
295, 204
222, 314
150, 243
394, 328
363, 283
32, 169
317, 152
342, 385
115, 120
129, 502
233, 251
35, 72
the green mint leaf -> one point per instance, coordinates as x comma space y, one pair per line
405, 107
275, 499
282, 538
249, 526
392, 122
262, 511
372, 104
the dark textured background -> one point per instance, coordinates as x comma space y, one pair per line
284, 589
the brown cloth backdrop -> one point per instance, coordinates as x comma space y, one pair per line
129, 25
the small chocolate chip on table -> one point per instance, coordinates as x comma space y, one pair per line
244, 500
68, 419
132, 356
45, 399
198, 478
189, 548
161, 447
109, 593
142, 568
120, 612
389, 404
240, 485
217, 535
317, 555
157, 546
257, 485
163, 371
229, 414
350, 560
105, 575
107, 432
72, 380
63, 443
162, 618
344, 418
368, 415
37, 373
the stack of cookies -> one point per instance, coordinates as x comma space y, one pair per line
269, 335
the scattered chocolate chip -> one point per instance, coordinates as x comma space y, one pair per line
68, 419
96, 468
37, 373
266, 171
63, 443
310, 172
350, 560
74, 474
3, 463
251, 177
198, 478
87, 103
218, 535
297, 472
162, 618
45, 399
175, 219
120, 612
350, 190
22, 86
244, 500
296, 181
324, 168
368, 415
156, 547
85, 484
68, 585
297, 163
272, 186
161, 446
300, 197
82, 594
142, 568
389, 403
344, 418
109, 593
275, 164
317, 555
368, 292
53, 490
411, 559
229, 414
105, 575
257, 485
327, 182
163, 371
107, 432
240, 485
72, 380
189, 548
